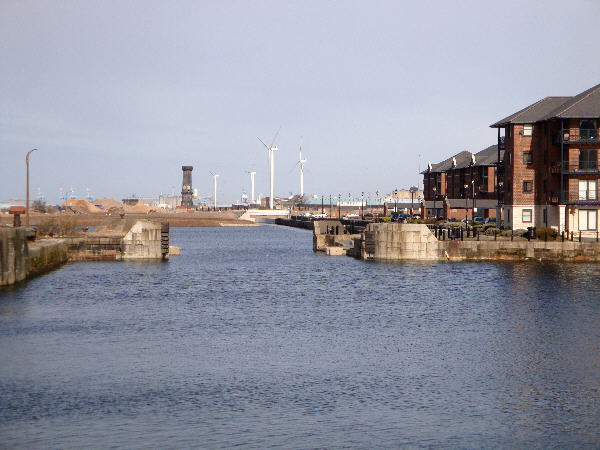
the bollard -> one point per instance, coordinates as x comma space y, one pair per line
478, 234
495, 234
528, 235
571, 236
579, 235
562, 236
462, 233
546, 236
512, 234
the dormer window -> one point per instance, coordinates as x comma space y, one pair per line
528, 129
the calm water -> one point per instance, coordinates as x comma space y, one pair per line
250, 339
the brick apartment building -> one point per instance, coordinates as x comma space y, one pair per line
464, 185
549, 176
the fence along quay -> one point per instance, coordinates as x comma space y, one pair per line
400, 242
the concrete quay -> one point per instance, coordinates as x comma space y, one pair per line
21, 258
415, 242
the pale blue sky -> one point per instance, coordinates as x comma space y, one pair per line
117, 95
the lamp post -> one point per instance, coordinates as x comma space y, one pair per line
339, 206
27, 189
466, 186
412, 190
434, 195
362, 208
473, 215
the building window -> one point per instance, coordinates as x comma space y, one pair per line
545, 216
588, 189
527, 186
526, 215
484, 178
528, 157
588, 159
588, 219
588, 129
528, 129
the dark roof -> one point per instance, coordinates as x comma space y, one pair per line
582, 106
463, 159
488, 156
535, 112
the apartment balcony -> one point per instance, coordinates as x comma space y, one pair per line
582, 136
577, 197
579, 168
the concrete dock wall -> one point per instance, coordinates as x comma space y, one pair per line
399, 242
396, 241
14, 263
45, 255
144, 241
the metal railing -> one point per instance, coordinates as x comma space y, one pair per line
576, 197
578, 167
580, 135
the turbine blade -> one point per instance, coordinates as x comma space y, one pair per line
262, 142
275, 137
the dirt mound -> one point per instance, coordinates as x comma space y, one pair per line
139, 208
80, 205
107, 203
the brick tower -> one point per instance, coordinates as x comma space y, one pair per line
186, 186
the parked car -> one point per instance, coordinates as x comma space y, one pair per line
320, 216
351, 216
479, 219
402, 218
490, 220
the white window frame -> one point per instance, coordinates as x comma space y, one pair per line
588, 189
588, 219
528, 129
530, 212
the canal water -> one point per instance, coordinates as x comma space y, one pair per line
250, 339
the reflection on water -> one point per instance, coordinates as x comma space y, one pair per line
250, 339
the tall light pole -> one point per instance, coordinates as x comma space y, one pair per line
27, 190
434, 196
466, 186
473, 213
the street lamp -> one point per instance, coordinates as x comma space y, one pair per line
362, 207
27, 190
434, 196
412, 191
473, 214
466, 186
339, 206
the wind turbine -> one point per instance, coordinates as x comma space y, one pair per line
301, 163
252, 183
215, 175
271, 149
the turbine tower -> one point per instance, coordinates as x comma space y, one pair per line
271, 149
215, 175
252, 185
301, 163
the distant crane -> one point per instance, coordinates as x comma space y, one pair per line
301, 162
215, 175
252, 185
271, 149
